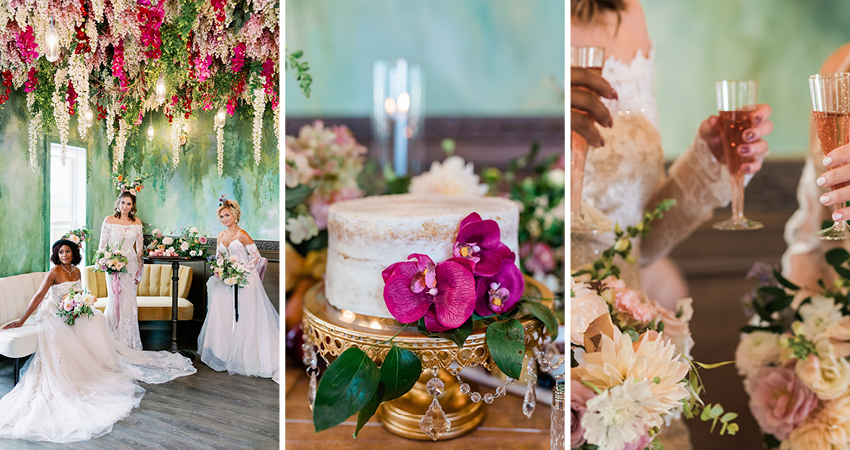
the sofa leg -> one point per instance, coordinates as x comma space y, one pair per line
17, 369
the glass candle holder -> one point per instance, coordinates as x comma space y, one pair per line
397, 116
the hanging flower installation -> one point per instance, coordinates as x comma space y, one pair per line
206, 54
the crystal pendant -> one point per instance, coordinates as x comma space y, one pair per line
435, 386
530, 400
435, 423
311, 390
464, 388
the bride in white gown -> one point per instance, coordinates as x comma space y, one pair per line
80, 381
251, 345
626, 176
124, 230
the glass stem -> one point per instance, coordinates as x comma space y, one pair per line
840, 225
737, 196
578, 155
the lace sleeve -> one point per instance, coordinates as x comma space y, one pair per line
253, 256
140, 242
104, 236
803, 261
699, 183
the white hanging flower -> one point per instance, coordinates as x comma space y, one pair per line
277, 122
176, 130
259, 99
60, 110
80, 76
35, 125
453, 177
120, 144
219, 137
110, 115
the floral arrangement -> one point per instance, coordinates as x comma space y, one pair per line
632, 368
118, 60
124, 185
74, 304
543, 215
229, 270
78, 236
479, 282
322, 165
161, 245
794, 357
453, 176
110, 261
191, 243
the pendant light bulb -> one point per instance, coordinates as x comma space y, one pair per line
51, 38
160, 89
150, 132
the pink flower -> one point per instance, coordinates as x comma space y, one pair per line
202, 240
26, 45
542, 258
579, 395
478, 241
444, 294
499, 293
238, 57
640, 444
779, 401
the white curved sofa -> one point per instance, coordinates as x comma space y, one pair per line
15, 294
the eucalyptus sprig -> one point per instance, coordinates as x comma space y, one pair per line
604, 266
301, 68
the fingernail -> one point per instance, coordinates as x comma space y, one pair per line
610, 122
749, 136
745, 150
827, 161
821, 181
824, 199
747, 168
614, 94
758, 119
602, 142
836, 216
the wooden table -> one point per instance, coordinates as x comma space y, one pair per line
505, 426
175, 269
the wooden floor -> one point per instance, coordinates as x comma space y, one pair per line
504, 427
207, 410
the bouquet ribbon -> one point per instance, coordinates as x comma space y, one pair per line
116, 289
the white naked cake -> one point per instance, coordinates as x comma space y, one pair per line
367, 235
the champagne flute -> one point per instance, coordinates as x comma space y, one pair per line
831, 111
590, 58
736, 102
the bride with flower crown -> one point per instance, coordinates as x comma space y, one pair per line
80, 381
250, 345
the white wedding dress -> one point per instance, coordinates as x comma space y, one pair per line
122, 313
626, 177
80, 381
250, 346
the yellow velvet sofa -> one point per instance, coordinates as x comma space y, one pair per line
153, 295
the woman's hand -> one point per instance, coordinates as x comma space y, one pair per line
15, 324
585, 107
837, 175
755, 148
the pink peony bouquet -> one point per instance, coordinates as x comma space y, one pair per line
632, 369
794, 355
229, 270
74, 304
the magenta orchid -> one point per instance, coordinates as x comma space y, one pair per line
444, 293
499, 293
479, 241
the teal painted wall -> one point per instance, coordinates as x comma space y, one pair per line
187, 196
479, 57
778, 42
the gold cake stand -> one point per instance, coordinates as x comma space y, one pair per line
332, 331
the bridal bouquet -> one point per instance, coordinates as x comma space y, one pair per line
75, 304
110, 261
632, 370
230, 270
794, 356
191, 243
161, 245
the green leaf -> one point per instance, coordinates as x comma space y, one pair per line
297, 195
713, 366
544, 314
457, 335
773, 290
728, 416
837, 256
399, 372
783, 281
369, 408
778, 329
506, 341
779, 303
349, 382
759, 308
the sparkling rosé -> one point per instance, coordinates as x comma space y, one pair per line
733, 124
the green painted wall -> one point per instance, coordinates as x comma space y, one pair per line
479, 57
172, 198
778, 42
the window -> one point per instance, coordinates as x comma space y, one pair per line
67, 190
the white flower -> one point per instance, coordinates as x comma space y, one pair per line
107, 255
620, 415
193, 230
819, 315
156, 231
170, 249
167, 240
184, 246
756, 350
826, 375
556, 178
585, 307
230, 281
192, 253
452, 177
301, 228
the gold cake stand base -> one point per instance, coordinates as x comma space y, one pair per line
333, 331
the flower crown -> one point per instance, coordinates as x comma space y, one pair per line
78, 236
133, 187
223, 201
